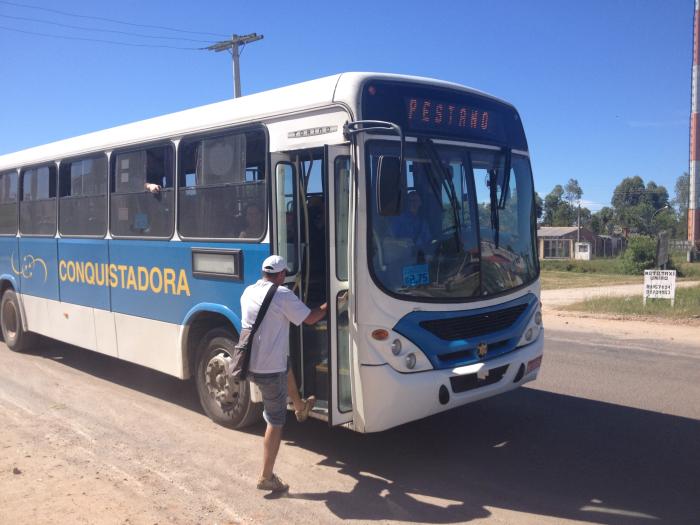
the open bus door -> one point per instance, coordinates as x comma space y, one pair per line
339, 223
304, 183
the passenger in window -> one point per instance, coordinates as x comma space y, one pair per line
254, 222
152, 187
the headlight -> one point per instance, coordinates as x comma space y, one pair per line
396, 347
411, 361
538, 317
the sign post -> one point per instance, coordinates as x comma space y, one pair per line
660, 284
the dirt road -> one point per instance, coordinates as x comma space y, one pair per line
556, 316
85, 438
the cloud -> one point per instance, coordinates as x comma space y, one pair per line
591, 205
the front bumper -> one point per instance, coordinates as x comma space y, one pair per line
392, 398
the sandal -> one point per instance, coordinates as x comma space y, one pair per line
303, 414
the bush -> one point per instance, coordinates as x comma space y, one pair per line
640, 255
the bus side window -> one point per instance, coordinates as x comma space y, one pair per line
222, 186
37, 209
136, 211
8, 203
82, 205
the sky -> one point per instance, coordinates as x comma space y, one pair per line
602, 86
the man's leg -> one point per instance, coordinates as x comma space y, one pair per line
293, 391
271, 445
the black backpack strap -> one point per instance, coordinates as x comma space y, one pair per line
263, 310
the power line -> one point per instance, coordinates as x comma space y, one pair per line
104, 19
103, 41
83, 28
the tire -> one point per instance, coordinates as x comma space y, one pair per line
15, 337
225, 402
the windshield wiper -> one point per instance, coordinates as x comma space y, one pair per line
446, 182
499, 203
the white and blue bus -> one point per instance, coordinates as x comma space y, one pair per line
405, 203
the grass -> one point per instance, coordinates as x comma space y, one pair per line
599, 272
556, 280
687, 305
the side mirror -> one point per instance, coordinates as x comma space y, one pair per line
390, 186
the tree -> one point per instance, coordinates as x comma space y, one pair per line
573, 192
680, 202
628, 193
635, 204
557, 212
539, 206
603, 221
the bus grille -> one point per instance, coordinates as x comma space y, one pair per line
474, 325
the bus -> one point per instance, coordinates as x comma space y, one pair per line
405, 203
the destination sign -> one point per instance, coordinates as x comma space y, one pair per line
423, 113
438, 111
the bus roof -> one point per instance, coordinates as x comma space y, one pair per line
343, 88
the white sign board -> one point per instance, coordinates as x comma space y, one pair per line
660, 284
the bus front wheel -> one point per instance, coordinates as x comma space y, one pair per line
224, 400
15, 337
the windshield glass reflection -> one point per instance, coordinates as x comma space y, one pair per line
464, 230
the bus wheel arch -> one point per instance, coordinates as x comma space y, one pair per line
16, 337
225, 401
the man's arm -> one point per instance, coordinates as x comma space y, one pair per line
316, 314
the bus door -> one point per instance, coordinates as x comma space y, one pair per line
286, 241
339, 213
300, 237
304, 227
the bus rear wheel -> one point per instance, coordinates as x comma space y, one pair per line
15, 337
224, 400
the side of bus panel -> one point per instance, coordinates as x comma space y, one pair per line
149, 312
38, 267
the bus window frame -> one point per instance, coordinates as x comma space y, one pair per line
230, 130
20, 199
77, 158
112, 175
17, 173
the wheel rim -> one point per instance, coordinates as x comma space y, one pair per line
9, 320
222, 389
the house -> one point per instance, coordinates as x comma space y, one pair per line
559, 242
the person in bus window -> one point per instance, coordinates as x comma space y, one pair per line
254, 222
269, 362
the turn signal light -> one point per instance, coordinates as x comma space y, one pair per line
380, 334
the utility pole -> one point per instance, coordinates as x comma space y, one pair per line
694, 182
233, 47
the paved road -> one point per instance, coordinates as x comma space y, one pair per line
609, 434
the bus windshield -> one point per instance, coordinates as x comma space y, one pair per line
466, 228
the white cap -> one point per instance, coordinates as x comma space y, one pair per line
274, 264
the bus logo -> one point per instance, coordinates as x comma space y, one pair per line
482, 348
28, 265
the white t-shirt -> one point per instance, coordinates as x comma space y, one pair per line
271, 344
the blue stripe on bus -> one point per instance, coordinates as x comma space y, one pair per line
36, 261
500, 341
150, 279
81, 291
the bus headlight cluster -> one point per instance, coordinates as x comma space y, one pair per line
538, 317
411, 361
532, 330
